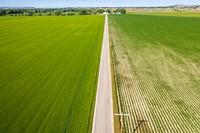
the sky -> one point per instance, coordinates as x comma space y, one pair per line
93, 3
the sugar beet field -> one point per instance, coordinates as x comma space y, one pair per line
48, 73
157, 63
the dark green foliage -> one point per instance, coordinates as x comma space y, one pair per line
100, 11
108, 11
49, 14
30, 13
57, 13
121, 10
82, 12
2, 12
71, 13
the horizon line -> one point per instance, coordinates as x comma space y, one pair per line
95, 6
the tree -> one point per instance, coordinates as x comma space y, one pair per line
49, 14
121, 10
82, 12
2, 13
8, 12
70, 13
100, 11
30, 13
108, 11
114, 11
57, 13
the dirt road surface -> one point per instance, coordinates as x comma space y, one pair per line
103, 115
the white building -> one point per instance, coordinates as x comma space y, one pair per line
105, 13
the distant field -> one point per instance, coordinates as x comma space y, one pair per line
48, 73
175, 14
157, 60
182, 14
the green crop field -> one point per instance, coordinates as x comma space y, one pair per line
157, 64
48, 73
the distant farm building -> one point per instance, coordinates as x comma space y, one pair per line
105, 13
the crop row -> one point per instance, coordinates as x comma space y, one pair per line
156, 83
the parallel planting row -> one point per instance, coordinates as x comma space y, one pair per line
158, 74
48, 73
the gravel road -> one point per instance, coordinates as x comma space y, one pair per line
103, 115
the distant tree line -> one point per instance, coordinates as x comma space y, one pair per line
56, 11
120, 10
23, 12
